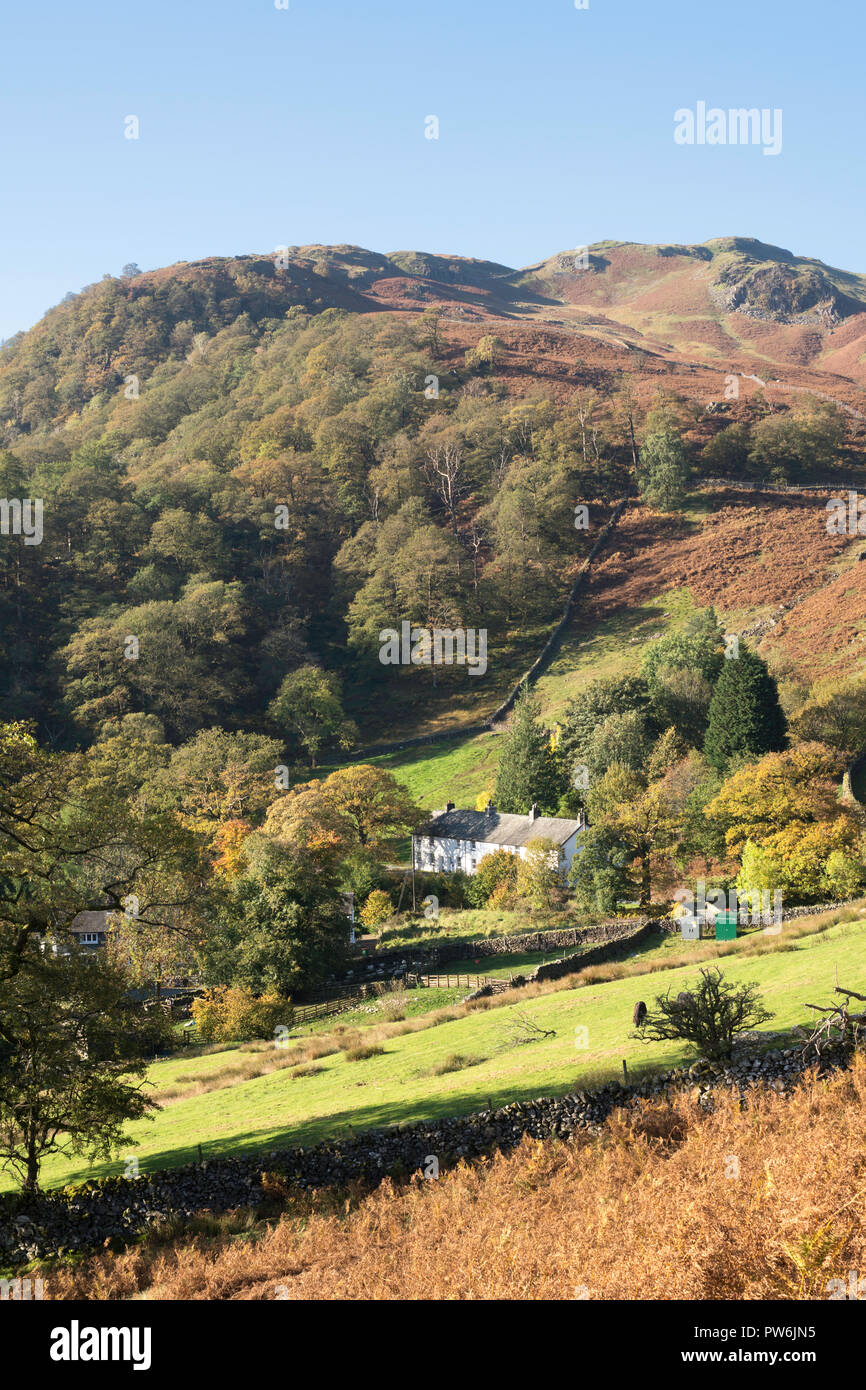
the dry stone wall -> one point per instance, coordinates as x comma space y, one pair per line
614, 946
117, 1209
525, 943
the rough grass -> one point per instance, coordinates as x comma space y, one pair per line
595, 647
244, 1063
767, 1202
372, 1012
454, 1062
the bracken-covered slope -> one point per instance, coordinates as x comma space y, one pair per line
689, 312
725, 298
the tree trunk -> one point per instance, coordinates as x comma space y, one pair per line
31, 1182
645, 882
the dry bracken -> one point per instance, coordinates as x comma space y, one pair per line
764, 1201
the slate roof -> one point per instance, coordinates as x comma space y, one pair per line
496, 829
90, 921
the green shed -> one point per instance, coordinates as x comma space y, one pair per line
726, 926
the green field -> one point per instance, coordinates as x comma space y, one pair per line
472, 924
461, 770
396, 1087
457, 770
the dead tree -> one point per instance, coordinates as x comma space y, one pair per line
520, 1029
443, 468
837, 1026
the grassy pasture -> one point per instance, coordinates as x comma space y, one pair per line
244, 1113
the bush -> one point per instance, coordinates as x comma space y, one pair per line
361, 1053
452, 890
496, 874
377, 909
708, 1016
238, 1015
843, 874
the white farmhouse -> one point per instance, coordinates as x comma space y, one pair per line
458, 840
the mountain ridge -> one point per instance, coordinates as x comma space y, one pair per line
731, 303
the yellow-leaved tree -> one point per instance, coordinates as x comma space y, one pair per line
784, 822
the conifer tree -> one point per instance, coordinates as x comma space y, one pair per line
745, 717
527, 771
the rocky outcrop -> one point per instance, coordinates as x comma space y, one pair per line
782, 294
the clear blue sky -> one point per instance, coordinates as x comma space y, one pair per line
261, 127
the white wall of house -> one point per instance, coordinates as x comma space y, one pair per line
447, 856
443, 856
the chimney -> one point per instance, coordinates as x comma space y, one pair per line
490, 809
534, 811
449, 806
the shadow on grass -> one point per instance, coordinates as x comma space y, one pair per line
345, 1124
505, 965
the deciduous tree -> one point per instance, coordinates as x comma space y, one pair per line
73, 1052
309, 706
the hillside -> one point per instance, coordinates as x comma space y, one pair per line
639, 1213
732, 302
166, 417
765, 562
231, 1105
